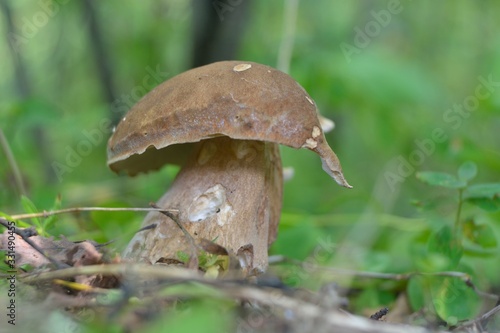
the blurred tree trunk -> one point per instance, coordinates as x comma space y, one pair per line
23, 86
25, 91
218, 27
101, 57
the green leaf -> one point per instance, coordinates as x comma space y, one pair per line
447, 246
30, 208
49, 221
450, 297
453, 300
467, 171
485, 196
183, 256
4, 267
479, 239
440, 179
489, 205
488, 190
481, 234
19, 224
416, 290
473, 250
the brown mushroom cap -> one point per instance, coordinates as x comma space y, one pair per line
241, 100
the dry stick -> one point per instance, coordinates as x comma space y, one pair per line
88, 209
301, 309
12, 163
324, 320
482, 320
128, 269
8, 224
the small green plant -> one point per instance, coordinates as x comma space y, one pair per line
212, 264
42, 225
447, 248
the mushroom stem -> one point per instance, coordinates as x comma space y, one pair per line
229, 192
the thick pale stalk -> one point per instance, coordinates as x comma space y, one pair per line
229, 192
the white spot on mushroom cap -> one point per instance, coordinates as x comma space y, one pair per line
212, 202
310, 144
316, 132
124, 118
242, 67
310, 100
114, 129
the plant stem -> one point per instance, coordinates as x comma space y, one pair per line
458, 225
12, 163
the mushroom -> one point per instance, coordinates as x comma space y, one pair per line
223, 124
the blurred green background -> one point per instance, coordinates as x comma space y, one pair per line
389, 73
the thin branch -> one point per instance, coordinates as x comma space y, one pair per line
8, 225
324, 320
142, 270
88, 209
333, 320
12, 163
481, 321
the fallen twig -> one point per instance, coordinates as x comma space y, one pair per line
481, 321
325, 320
88, 209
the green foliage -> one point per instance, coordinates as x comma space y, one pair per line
443, 249
444, 244
43, 225
467, 171
441, 179
4, 267
450, 297
103, 226
207, 262
485, 196
479, 239
29, 208
212, 316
